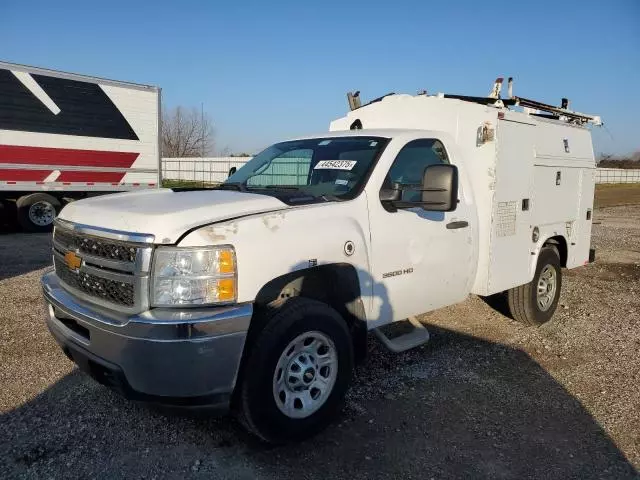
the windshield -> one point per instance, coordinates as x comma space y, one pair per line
334, 167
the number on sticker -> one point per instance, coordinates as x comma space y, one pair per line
335, 165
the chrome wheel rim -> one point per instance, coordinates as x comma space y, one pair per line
305, 374
42, 213
547, 284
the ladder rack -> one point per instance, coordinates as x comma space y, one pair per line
560, 112
533, 107
571, 116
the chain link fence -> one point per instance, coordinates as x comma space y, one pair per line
617, 175
198, 171
209, 171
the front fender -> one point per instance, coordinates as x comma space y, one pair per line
274, 244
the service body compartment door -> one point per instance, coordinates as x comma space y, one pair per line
510, 251
557, 195
579, 253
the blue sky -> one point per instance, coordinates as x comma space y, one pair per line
270, 70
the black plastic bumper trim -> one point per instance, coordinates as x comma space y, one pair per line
112, 376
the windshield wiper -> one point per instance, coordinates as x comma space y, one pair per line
330, 198
279, 187
234, 186
292, 188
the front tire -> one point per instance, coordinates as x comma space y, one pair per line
36, 212
297, 372
534, 304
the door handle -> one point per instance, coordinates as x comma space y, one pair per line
459, 224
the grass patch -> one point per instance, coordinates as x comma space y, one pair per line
167, 183
612, 194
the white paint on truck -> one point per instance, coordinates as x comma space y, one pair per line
418, 202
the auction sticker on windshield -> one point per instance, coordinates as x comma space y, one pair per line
335, 165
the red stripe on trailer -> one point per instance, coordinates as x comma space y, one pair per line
67, 178
66, 157
152, 184
22, 175
80, 176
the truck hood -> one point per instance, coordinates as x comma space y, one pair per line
164, 213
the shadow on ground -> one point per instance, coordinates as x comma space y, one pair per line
459, 407
22, 253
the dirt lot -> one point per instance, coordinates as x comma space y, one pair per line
609, 195
486, 398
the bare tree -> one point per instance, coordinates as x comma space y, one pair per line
187, 133
630, 161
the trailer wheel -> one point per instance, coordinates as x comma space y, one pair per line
535, 303
37, 211
297, 371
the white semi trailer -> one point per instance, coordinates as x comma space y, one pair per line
260, 292
65, 136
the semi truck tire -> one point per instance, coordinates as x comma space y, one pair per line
535, 303
297, 371
37, 211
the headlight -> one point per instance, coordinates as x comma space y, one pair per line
193, 276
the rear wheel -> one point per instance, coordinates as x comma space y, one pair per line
36, 212
536, 302
297, 372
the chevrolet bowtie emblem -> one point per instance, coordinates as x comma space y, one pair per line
72, 260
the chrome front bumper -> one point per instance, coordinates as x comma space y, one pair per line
173, 356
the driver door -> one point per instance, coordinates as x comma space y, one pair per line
421, 260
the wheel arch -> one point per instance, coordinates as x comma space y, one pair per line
561, 244
335, 284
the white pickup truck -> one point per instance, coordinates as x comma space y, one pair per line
259, 293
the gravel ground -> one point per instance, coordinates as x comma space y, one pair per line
486, 398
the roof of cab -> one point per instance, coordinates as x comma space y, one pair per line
373, 132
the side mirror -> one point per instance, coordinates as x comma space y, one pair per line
232, 170
440, 188
392, 194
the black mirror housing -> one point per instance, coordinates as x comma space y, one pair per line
440, 188
232, 170
392, 194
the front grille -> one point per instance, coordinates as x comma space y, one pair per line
112, 273
119, 293
97, 247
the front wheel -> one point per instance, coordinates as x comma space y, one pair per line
535, 303
297, 372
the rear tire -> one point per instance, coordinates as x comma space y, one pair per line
296, 373
534, 303
37, 211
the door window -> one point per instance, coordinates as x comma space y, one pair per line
408, 167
